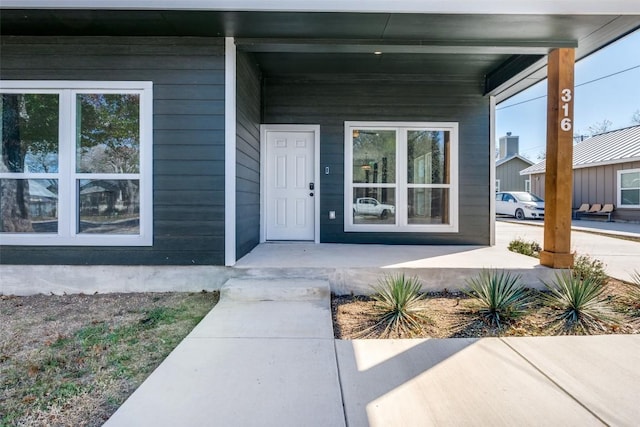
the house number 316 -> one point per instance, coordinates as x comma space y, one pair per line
565, 123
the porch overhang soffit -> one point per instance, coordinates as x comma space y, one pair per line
501, 46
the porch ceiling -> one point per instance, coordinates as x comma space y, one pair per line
508, 52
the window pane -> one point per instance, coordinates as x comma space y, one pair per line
428, 205
630, 180
108, 128
373, 205
427, 152
109, 206
29, 205
29, 133
374, 156
630, 197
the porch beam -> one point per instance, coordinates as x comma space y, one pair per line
518, 65
559, 172
501, 47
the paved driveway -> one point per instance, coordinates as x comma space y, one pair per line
621, 257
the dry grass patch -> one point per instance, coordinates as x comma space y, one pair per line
73, 359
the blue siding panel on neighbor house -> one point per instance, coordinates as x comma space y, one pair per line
188, 134
248, 87
331, 100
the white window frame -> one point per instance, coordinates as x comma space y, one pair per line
401, 185
497, 186
619, 189
67, 234
527, 185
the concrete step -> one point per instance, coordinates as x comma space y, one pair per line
275, 290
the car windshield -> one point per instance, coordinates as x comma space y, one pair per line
527, 197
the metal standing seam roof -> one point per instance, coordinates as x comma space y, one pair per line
617, 146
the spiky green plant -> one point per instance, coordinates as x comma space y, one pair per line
400, 307
581, 302
500, 295
634, 292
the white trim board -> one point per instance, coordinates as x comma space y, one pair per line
264, 128
504, 7
230, 151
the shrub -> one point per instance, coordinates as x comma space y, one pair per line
586, 267
399, 305
581, 302
523, 247
500, 295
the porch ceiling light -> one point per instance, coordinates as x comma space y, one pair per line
377, 52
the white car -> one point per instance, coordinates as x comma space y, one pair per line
519, 204
372, 207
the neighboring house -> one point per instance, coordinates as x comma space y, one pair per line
188, 133
508, 176
606, 169
509, 165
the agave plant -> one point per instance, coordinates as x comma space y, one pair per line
400, 306
500, 295
581, 302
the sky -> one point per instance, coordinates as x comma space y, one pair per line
614, 98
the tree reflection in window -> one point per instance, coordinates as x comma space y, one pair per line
108, 133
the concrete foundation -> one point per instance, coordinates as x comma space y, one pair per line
347, 268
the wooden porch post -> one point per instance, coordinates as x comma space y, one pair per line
559, 163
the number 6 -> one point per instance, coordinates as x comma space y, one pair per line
565, 124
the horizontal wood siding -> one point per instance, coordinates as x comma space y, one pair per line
330, 101
188, 134
248, 154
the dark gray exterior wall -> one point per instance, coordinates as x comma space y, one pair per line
330, 101
509, 175
597, 184
188, 137
248, 87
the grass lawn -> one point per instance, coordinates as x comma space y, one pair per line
74, 359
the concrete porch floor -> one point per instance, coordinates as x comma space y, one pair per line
353, 268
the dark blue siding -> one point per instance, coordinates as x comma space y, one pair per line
331, 100
248, 97
188, 135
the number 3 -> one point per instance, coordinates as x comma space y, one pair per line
566, 95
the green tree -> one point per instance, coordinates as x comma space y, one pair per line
29, 144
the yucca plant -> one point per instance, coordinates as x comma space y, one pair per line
634, 292
399, 305
581, 302
500, 295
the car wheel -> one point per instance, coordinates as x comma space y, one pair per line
519, 214
384, 214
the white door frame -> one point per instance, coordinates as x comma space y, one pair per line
316, 173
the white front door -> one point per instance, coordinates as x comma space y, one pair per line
290, 188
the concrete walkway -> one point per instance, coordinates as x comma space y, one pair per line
620, 256
265, 356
